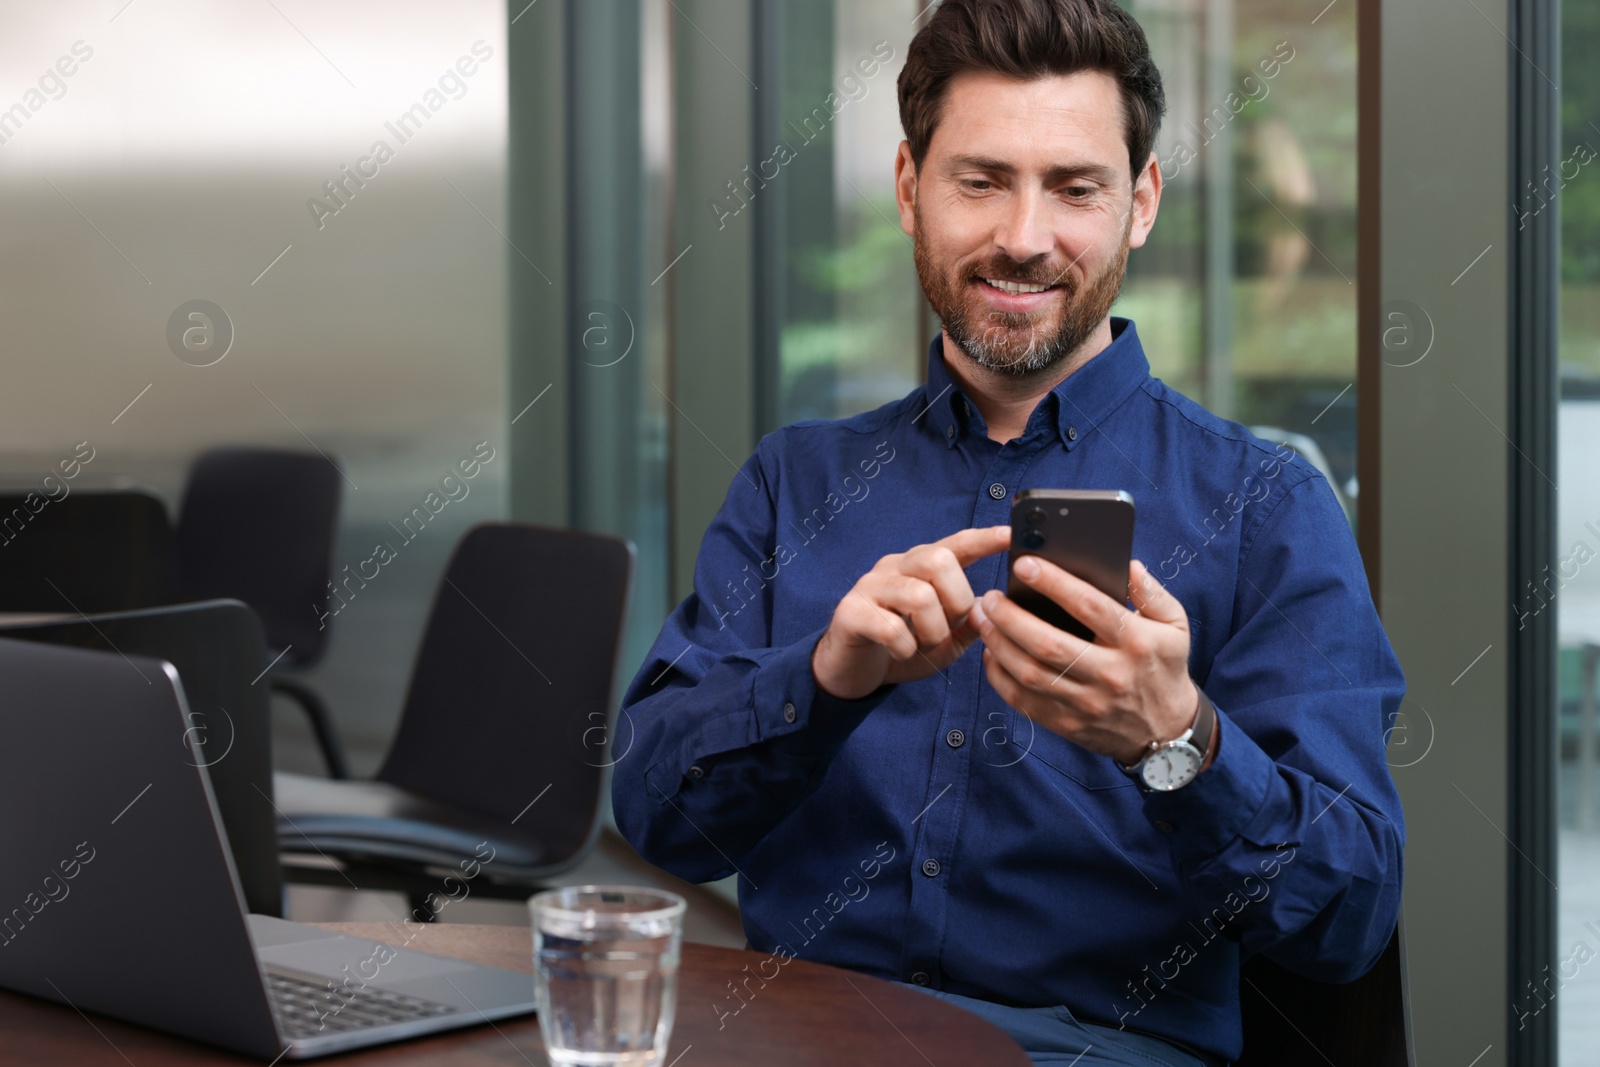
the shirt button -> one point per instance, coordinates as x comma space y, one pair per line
1072, 433
788, 713
965, 410
930, 867
955, 738
997, 491
950, 432
1164, 826
921, 978
697, 771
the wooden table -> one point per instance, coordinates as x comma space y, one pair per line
807, 1014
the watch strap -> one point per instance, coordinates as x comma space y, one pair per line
1198, 735
1205, 724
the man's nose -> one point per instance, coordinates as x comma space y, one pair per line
1025, 232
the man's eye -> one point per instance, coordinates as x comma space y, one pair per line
979, 185
1079, 192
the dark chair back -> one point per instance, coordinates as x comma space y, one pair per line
512, 694
257, 525
89, 551
218, 650
1290, 1019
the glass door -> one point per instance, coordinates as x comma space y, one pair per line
1571, 987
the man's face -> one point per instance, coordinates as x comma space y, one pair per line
1025, 183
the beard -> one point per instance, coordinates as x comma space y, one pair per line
1019, 343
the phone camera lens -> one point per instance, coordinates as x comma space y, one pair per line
1033, 539
1036, 517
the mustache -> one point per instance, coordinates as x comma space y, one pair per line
1012, 271
1009, 270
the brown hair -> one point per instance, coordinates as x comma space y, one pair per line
1031, 39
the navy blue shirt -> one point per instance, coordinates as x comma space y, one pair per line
928, 833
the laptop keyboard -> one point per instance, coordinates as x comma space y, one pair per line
310, 1009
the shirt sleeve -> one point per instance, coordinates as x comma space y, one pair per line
1292, 840
728, 733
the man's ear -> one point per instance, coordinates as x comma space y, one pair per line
1146, 201
905, 188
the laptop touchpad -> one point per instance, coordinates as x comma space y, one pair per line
359, 959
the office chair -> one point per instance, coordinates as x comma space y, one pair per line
88, 551
1290, 1019
217, 648
257, 525
502, 743
1313, 454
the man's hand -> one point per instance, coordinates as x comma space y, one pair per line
907, 617
1129, 687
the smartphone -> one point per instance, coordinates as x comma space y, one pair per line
1086, 532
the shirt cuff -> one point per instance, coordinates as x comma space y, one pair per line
785, 711
1201, 818
788, 703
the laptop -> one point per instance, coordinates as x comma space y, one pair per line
119, 894
219, 648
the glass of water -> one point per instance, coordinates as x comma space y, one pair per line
605, 962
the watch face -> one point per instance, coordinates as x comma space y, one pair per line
1168, 768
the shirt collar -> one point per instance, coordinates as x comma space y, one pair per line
1075, 406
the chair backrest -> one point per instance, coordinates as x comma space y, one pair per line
512, 695
89, 551
257, 525
218, 650
1290, 1019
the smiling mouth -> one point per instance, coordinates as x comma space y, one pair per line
1016, 288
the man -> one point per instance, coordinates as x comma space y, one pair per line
817, 719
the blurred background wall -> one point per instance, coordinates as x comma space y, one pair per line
187, 157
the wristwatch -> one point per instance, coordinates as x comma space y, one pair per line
1169, 765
